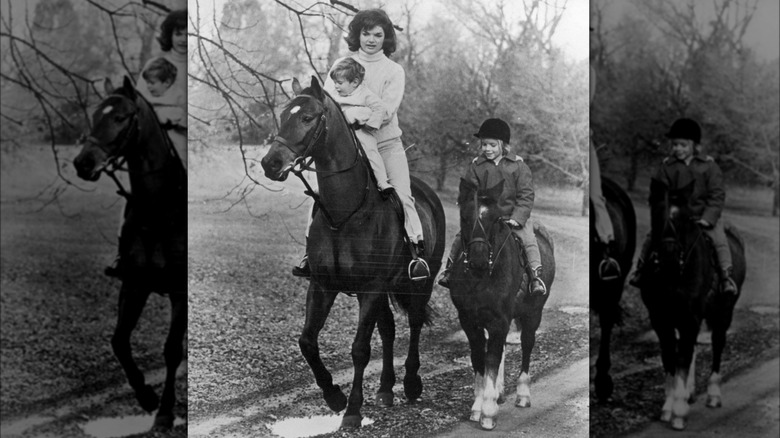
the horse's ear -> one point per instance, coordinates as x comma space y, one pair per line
316, 89
658, 190
129, 87
108, 87
297, 89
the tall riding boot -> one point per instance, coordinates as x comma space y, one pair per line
444, 279
537, 284
727, 283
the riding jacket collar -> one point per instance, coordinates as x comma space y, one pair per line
511, 157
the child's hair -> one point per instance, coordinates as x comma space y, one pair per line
348, 69
160, 69
367, 19
175, 20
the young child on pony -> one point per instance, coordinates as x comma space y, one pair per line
364, 110
706, 204
517, 198
159, 75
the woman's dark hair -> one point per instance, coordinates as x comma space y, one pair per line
367, 19
175, 20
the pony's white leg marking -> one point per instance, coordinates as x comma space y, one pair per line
500, 381
690, 384
489, 404
523, 391
479, 390
680, 406
714, 399
666, 411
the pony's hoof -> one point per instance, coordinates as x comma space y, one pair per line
714, 401
475, 416
523, 401
147, 398
335, 399
678, 423
412, 387
163, 423
351, 422
384, 399
487, 423
666, 416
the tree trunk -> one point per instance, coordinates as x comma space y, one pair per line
441, 174
585, 198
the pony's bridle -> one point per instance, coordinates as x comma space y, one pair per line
300, 163
684, 253
492, 256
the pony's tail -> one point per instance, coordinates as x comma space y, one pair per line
409, 304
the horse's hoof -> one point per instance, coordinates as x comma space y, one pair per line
351, 422
147, 398
714, 401
335, 399
384, 399
412, 387
475, 416
678, 423
487, 423
163, 422
666, 416
523, 401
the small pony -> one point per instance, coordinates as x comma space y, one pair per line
489, 287
682, 292
154, 239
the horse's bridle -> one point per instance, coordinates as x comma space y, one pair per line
492, 256
684, 253
299, 164
115, 160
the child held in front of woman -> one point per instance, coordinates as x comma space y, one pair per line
364, 110
707, 202
168, 103
517, 198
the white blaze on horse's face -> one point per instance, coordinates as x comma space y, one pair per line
482, 212
295, 109
107, 109
674, 211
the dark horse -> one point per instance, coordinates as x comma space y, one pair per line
489, 287
681, 292
355, 246
153, 246
605, 294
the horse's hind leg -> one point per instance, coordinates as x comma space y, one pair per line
528, 326
412, 382
386, 326
318, 305
131, 304
174, 352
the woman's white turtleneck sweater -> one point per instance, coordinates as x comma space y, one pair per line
387, 80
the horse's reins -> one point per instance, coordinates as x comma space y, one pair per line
485, 240
683, 259
115, 161
300, 164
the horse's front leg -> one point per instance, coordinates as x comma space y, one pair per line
174, 352
386, 326
318, 305
370, 304
493, 381
131, 304
683, 381
476, 337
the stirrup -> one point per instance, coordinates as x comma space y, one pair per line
419, 276
604, 266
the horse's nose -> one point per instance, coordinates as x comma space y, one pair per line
84, 164
272, 164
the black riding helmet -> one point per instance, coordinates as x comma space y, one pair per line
494, 128
685, 128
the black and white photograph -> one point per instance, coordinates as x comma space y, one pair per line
685, 121
388, 218
94, 220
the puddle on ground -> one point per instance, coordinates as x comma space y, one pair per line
309, 426
121, 426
